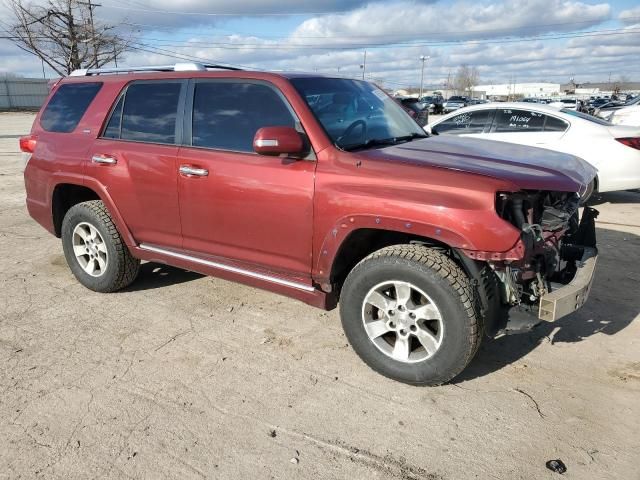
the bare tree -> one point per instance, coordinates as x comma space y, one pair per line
619, 84
64, 35
466, 78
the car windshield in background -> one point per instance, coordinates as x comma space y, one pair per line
357, 114
584, 116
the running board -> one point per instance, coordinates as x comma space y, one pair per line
228, 268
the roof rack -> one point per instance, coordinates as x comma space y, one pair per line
178, 67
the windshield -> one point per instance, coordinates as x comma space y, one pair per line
584, 116
355, 113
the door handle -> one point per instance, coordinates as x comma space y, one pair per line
104, 159
190, 171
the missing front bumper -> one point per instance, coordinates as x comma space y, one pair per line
572, 296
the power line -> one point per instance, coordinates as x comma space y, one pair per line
271, 46
423, 33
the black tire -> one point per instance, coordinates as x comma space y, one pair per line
448, 287
121, 268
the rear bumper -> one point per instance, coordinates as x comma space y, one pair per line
570, 297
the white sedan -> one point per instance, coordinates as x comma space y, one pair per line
614, 150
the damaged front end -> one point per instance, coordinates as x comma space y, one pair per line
554, 274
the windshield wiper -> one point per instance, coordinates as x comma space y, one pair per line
378, 142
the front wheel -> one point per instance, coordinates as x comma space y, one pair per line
95, 251
408, 312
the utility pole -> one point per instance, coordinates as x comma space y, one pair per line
93, 29
43, 74
364, 65
424, 59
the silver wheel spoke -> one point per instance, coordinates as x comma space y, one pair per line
101, 263
427, 340
403, 292
82, 233
80, 250
91, 266
376, 328
101, 247
401, 349
427, 312
379, 300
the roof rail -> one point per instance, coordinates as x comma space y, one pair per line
178, 67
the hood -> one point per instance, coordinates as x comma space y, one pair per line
525, 167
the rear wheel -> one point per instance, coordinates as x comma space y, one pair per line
408, 312
94, 250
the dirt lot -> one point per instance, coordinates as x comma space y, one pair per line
183, 376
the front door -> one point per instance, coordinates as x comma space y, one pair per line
237, 205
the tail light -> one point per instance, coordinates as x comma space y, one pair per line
28, 144
633, 142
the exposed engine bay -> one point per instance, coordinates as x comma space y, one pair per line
554, 240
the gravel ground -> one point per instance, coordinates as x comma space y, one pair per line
184, 376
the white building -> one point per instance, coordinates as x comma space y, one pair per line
519, 89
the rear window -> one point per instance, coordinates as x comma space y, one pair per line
68, 105
147, 112
509, 120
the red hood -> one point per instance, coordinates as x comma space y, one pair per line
526, 167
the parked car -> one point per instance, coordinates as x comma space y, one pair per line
434, 103
621, 114
416, 110
613, 150
319, 188
455, 102
564, 103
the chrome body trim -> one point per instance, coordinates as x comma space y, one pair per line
228, 268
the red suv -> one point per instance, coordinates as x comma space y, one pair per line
322, 189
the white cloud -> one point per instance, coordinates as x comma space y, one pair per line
631, 16
477, 25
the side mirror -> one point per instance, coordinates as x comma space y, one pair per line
278, 141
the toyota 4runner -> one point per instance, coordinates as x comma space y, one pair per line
322, 189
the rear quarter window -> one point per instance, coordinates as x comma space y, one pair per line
67, 106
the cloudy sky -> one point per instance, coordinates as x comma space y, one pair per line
508, 40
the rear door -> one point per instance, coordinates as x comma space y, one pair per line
135, 159
241, 206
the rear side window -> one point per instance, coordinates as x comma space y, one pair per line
553, 124
465, 123
510, 120
226, 115
67, 106
113, 127
147, 112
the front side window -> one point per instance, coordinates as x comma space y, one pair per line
68, 105
512, 120
465, 123
227, 115
149, 113
356, 114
